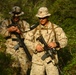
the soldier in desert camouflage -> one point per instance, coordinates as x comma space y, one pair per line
55, 38
19, 55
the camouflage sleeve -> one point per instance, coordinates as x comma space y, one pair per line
61, 37
26, 25
3, 29
29, 40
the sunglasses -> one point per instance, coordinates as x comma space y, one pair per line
43, 18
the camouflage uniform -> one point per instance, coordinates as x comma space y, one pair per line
38, 65
19, 55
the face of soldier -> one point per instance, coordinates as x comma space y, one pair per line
43, 21
15, 19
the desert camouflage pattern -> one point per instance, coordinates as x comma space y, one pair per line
38, 65
19, 55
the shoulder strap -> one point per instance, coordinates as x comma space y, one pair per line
54, 31
9, 22
22, 25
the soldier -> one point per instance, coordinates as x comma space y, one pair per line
19, 55
55, 38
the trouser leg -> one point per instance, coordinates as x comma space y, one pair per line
23, 64
37, 69
51, 69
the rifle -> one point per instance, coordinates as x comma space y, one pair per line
21, 42
34, 26
49, 51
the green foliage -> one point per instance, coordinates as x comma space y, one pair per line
5, 64
63, 13
2, 45
6, 60
69, 69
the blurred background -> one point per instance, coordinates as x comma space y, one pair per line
63, 13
